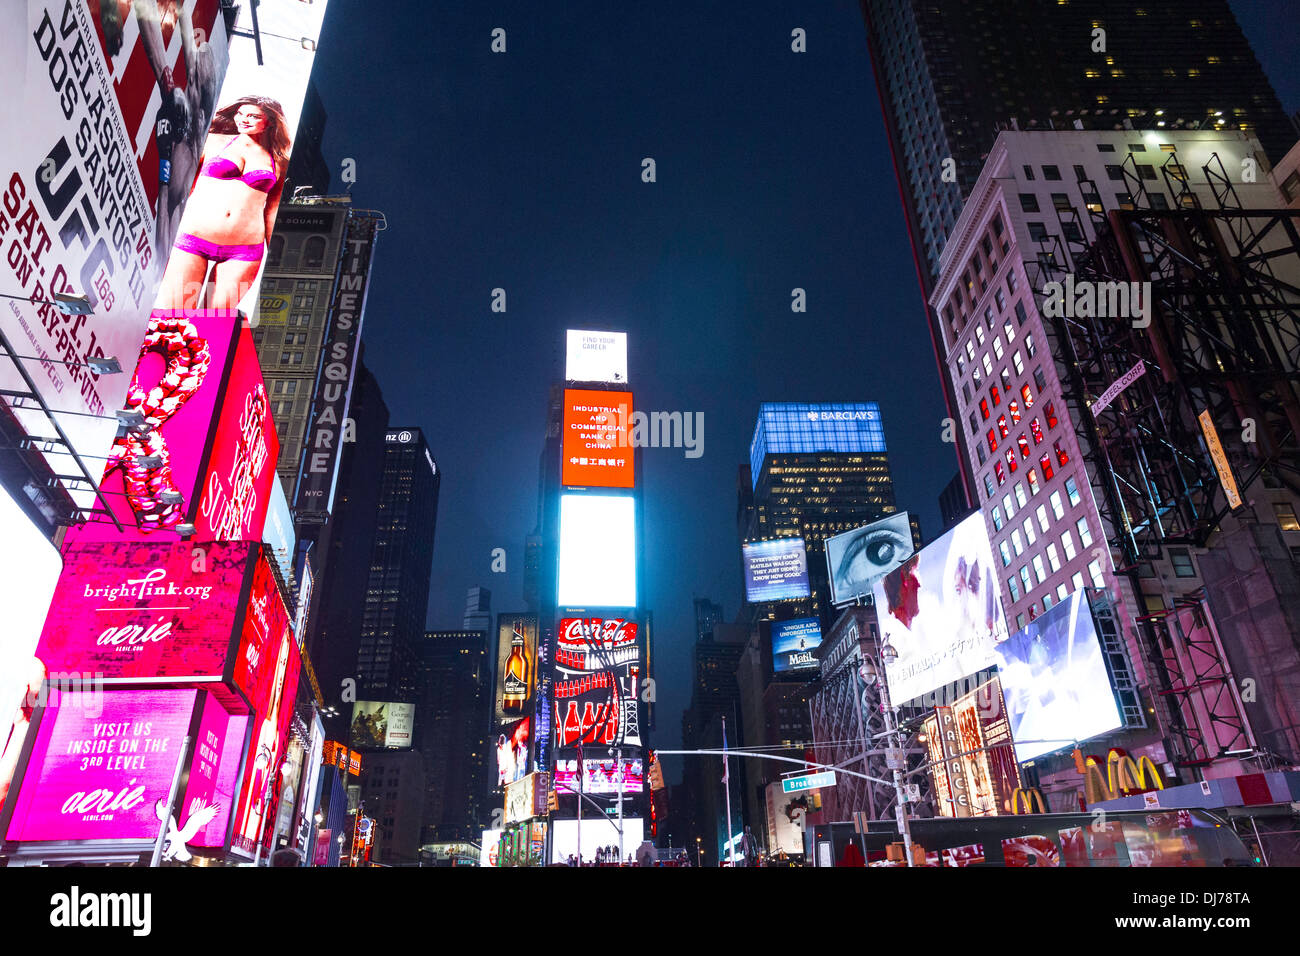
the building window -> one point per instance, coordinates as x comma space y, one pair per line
1008, 506
1038, 432
983, 455
1181, 559
997, 518
1016, 542
1024, 578
984, 408
993, 441
995, 395
1047, 602
1012, 464
988, 363
1040, 572
1023, 444
1286, 517
1013, 590
997, 347
1033, 481
1085, 533
1003, 430
1080, 174
1020, 622
1037, 231
1049, 413
1052, 173
1105, 147
1021, 317
1028, 396
1058, 509
1146, 171
1021, 498
1010, 330
1061, 202
1018, 363
997, 470
988, 482
1030, 348
979, 334
1076, 581
1094, 571
1006, 554
1067, 545
1028, 202
1062, 456
1053, 559
1041, 514
1013, 409
1040, 379
1029, 171
1030, 537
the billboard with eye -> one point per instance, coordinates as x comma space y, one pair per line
857, 559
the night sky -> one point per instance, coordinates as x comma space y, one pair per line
522, 171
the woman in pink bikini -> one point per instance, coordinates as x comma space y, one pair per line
232, 207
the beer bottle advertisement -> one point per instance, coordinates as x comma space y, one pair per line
516, 665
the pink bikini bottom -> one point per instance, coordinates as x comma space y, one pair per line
218, 253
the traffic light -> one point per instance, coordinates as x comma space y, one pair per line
656, 774
918, 855
552, 801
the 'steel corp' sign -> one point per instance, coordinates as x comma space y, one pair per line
334, 383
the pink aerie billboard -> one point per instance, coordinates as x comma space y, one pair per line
145, 612
102, 777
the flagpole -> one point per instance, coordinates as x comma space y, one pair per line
726, 780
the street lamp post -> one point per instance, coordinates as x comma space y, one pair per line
699, 852
875, 673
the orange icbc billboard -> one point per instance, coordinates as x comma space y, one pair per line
596, 449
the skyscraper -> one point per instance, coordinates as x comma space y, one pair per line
949, 79
397, 587
816, 470
451, 732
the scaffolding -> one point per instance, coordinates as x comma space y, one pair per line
1223, 344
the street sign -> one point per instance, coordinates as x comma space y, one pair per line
911, 793
895, 759
809, 781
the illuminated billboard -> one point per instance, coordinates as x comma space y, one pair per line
378, 724
98, 769
775, 570
595, 356
516, 665
857, 558
595, 439
266, 670
601, 776
217, 751
278, 534
241, 466
236, 187
793, 643
526, 797
598, 682
512, 752
153, 478
145, 612
799, 427
597, 834
1054, 676
597, 551
942, 612
973, 764
104, 111
787, 815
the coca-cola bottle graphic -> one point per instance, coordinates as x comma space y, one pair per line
572, 729
588, 719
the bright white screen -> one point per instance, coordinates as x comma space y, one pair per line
597, 551
595, 356
596, 833
29, 571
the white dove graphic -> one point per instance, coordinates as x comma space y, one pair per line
200, 815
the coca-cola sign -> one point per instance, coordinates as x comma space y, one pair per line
598, 682
105, 777
145, 611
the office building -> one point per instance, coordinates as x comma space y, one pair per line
451, 732
401, 559
478, 611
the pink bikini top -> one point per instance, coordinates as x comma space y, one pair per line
222, 168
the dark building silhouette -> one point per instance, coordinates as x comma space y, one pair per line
397, 587
452, 720
307, 164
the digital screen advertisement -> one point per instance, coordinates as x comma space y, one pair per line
597, 551
145, 612
595, 356
94, 215
856, 559
775, 570
1054, 676
102, 772
512, 752
597, 834
243, 143
516, 665
152, 479
378, 724
595, 442
975, 769
214, 769
601, 776
942, 612
598, 682
793, 643
241, 467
